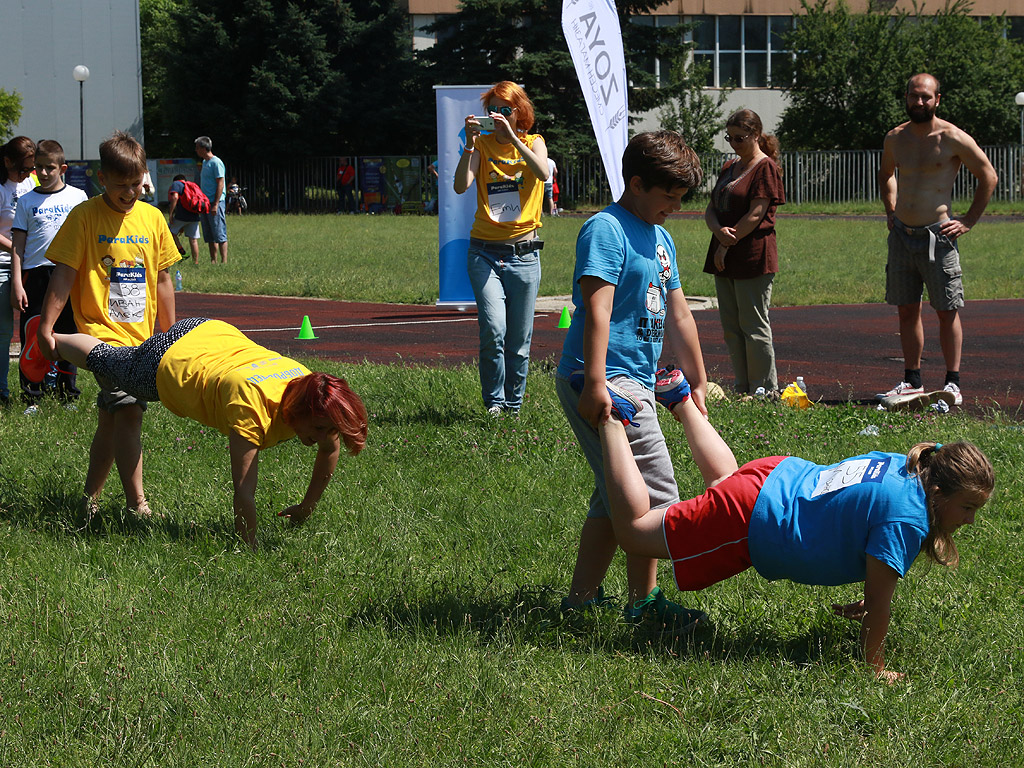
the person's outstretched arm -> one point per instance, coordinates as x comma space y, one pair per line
57, 291
245, 457
873, 613
328, 451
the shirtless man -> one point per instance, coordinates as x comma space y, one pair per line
922, 233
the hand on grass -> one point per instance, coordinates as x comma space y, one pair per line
852, 611
295, 515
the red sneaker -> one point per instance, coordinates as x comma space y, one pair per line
34, 366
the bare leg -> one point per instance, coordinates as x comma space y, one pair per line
911, 335
711, 454
642, 571
128, 453
637, 527
223, 249
75, 347
951, 337
213, 252
597, 540
101, 455
193, 245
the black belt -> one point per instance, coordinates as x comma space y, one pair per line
517, 249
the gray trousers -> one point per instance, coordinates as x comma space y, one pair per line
743, 308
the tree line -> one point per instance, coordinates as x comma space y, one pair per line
275, 79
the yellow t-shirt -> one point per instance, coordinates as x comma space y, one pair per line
509, 195
117, 257
217, 376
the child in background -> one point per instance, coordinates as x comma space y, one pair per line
39, 215
180, 219
18, 158
629, 301
112, 259
865, 518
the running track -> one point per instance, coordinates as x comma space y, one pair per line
844, 352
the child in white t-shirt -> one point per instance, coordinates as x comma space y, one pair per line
37, 218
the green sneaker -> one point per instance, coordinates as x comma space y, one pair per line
600, 600
662, 613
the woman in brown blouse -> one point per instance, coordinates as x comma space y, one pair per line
743, 255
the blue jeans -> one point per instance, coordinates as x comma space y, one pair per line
505, 287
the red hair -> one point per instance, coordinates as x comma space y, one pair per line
514, 94
323, 396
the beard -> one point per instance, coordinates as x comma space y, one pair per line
921, 114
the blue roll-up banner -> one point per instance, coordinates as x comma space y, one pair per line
455, 212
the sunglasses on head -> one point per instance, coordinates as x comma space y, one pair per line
503, 111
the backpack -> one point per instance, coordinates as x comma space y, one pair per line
193, 199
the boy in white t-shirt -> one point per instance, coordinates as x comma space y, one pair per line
37, 218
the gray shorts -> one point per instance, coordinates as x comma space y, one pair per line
920, 256
113, 400
189, 228
645, 439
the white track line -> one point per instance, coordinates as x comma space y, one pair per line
370, 325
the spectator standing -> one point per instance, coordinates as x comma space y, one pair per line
344, 183
509, 165
40, 213
550, 207
743, 255
18, 163
211, 181
923, 233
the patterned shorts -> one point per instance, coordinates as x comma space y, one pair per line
133, 369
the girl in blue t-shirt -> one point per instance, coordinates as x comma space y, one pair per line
863, 519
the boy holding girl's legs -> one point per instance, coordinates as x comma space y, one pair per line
112, 260
39, 215
181, 220
629, 301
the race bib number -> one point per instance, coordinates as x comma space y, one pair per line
503, 199
127, 302
850, 473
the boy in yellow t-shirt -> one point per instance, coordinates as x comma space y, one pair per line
112, 258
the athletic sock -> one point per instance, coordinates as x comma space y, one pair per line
913, 378
953, 377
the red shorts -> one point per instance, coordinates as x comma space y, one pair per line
707, 536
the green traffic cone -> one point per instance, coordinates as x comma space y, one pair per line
307, 329
565, 320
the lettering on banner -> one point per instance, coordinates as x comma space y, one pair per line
599, 68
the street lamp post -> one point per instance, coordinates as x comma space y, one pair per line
1019, 98
81, 74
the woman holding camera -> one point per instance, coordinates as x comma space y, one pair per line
509, 165
743, 255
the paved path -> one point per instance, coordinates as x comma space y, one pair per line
844, 352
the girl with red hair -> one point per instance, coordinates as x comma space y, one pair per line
209, 371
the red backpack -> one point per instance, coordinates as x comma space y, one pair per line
193, 199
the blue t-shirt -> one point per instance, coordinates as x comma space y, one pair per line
213, 169
816, 525
181, 213
639, 259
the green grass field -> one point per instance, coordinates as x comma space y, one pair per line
394, 259
414, 621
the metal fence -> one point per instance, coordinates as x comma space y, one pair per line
307, 185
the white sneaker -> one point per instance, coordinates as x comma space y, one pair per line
32, 410
494, 411
957, 397
903, 388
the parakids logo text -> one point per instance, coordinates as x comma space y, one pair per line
127, 240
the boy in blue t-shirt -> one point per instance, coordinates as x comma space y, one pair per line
629, 301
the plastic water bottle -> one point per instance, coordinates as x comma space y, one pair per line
177, 279
800, 383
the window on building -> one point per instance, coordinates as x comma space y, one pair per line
741, 51
653, 64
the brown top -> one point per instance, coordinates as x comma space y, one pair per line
756, 254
